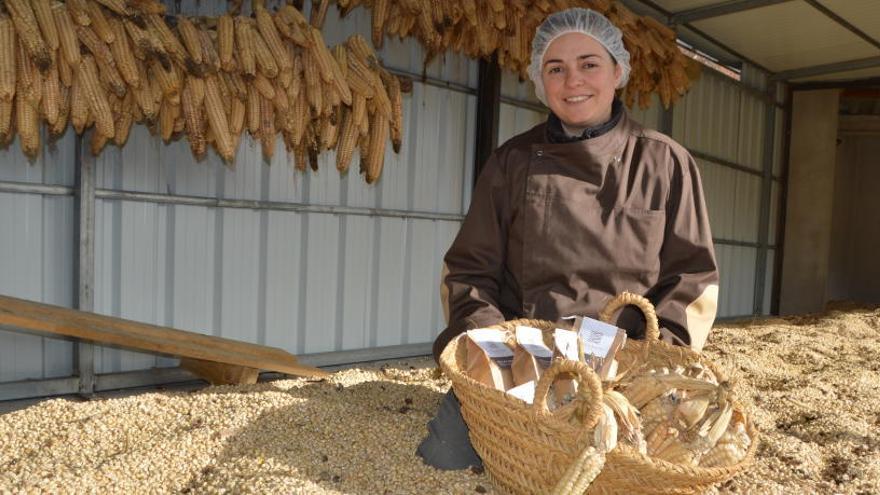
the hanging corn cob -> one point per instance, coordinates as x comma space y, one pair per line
481, 28
107, 64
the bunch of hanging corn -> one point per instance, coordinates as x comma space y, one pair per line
684, 416
106, 64
481, 28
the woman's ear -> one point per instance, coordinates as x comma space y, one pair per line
618, 74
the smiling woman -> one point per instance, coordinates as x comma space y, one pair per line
576, 210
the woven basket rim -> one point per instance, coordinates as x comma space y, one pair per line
450, 367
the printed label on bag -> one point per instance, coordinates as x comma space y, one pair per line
492, 342
598, 337
531, 340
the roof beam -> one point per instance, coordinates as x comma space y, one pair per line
821, 70
843, 22
729, 7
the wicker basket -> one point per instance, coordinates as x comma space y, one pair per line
527, 449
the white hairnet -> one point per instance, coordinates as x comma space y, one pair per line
577, 20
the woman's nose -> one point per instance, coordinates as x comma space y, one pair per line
573, 79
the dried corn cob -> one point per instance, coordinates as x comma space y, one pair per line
264, 58
225, 40
27, 123
380, 14
296, 27
245, 45
269, 33
29, 32
157, 27
376, 148
605, 433
236, 117
146, 6
300, 116
99, 22
192, 113
7, 59
348, 139
319, 13
217, 119
314, 90
79, 12
123, 56
116, 6
98, 142
264, 86
46, 21
30, 84
392, 85
253, 110
60, 125
51, 95
79, 106
97, 98
267, 127
190, 36
6, 132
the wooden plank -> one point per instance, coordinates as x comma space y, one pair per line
27, 315
219, 373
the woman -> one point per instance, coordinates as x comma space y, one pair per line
567, 215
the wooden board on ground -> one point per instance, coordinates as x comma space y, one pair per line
218, 360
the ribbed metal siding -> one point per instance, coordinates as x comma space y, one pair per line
36, 255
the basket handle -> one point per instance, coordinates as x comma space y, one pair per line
589, 392
652, 329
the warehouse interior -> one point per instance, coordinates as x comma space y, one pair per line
784, 123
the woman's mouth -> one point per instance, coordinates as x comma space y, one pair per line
576, 99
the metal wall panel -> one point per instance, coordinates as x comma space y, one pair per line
648, 117
710, 119
736, 265
733, 200
513, 120
36, 255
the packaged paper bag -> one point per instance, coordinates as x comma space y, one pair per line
489, 358
601, 342
525, 392
530, 356
566, 347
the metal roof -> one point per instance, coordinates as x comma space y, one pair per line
793, 40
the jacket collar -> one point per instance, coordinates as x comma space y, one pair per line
556, 134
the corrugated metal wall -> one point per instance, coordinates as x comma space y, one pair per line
37, 255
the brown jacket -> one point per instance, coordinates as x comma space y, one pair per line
557, 229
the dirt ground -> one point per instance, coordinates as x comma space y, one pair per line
811, 384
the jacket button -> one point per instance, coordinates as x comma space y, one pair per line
539, 153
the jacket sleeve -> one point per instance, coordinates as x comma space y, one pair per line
686, 294
474, 263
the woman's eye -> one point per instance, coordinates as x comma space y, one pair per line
554, 70
588, 65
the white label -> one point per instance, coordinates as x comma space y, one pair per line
493, 344
525, 392
566, 342
597, 336
532, 341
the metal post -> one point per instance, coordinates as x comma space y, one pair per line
783, 198
84, 353
766, 199
488, 105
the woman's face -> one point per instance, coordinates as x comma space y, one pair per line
579, 78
